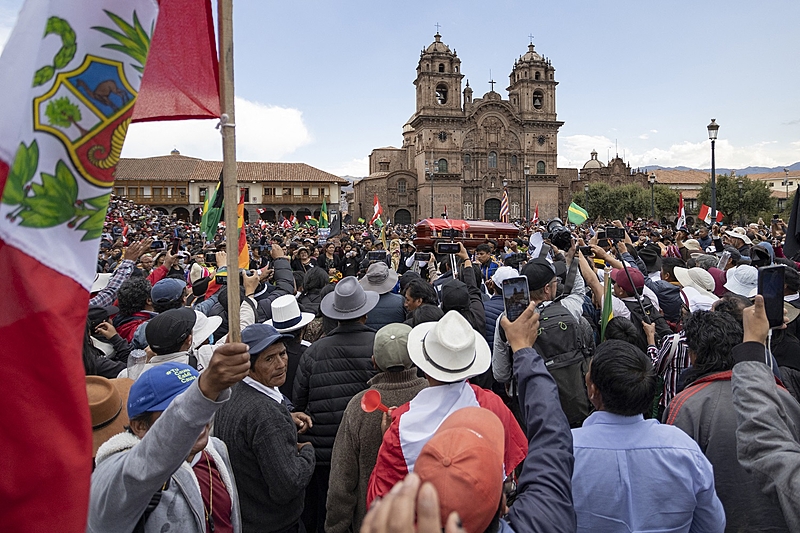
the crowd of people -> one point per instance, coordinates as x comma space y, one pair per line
379, 388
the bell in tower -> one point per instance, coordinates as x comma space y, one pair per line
533, 87
438, 79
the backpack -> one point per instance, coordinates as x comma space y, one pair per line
662, 328
562, 343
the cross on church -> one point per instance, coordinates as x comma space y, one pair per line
437, 27
531, 38
491, 80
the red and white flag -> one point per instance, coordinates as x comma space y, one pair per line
535, 219
681, 213
377, 210
71, 72
705, 214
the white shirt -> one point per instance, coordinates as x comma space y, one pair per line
699, 300
272, 392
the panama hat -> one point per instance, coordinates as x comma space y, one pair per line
286, 315
449, 350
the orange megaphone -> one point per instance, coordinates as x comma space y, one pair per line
372, 401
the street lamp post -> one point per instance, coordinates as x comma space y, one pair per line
713, 129
586, 196
652, 181
740, 184
527, 172
786, 185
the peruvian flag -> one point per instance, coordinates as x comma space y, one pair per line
286, 223
377, 210
71, 72
535, 219
705, 214
681, 213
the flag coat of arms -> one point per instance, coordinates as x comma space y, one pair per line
705, 214
71, 72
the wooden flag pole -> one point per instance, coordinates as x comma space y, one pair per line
230, 183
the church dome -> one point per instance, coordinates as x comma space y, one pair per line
531, 55
593, 162
437, 46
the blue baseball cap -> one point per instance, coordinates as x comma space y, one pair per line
167, 290
259, 337
157, 387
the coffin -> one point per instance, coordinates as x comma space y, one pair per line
471, 232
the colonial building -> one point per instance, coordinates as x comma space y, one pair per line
458, 152
176, 184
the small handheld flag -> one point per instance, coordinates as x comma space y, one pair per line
577, 214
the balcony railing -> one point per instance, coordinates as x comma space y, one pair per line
298, 199
154, 199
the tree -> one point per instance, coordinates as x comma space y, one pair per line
755, 197
619, 202
62, 112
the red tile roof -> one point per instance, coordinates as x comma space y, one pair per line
182, 168
680, 177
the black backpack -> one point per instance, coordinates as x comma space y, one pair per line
563, 345
662, 327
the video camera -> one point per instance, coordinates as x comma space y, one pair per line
559, 236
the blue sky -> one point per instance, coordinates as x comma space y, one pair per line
325, 82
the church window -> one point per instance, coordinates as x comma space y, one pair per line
443, 166
383, 166
540, 168
513, 161
467, 160
526, 73
441, 67
492, 160
441, 93
456, 68
401, 186
536, 76
538, 99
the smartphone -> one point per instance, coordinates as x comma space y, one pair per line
615, 233
176, 245
448, 247
157, 245
723, 260
449, 233
516, 296
210, 258
586, 251
718, 246
422, 256
770, 286
379, 255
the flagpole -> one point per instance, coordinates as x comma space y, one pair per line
230, 183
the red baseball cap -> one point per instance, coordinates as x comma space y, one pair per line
464, 461
621, 279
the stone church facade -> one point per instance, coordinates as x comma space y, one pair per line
459, 151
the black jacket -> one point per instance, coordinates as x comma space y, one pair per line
388, 311
331, 371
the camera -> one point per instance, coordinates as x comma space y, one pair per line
559, 236
210, 258
615, 233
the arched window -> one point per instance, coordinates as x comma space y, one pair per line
513, 161
540, 167
467, 160
441, 93
492, 159
401, 186
443, 166
441, 67
538, 99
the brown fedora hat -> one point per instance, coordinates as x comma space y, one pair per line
108, 400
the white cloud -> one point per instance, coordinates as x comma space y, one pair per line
644, 136
263, 133
574, 150
357, 168
653, 131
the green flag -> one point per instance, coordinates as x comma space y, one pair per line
607, 313
378, 222
361, 220
577, 214
323, 215
213, 211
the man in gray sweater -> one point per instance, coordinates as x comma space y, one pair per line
359, 437
271, 468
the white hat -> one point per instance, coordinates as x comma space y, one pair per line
449, 350
742, 280
697, 278
739, 233
286, 315
100, 282
503, 273
203, 328
693, 245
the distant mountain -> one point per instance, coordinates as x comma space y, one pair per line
739, 171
